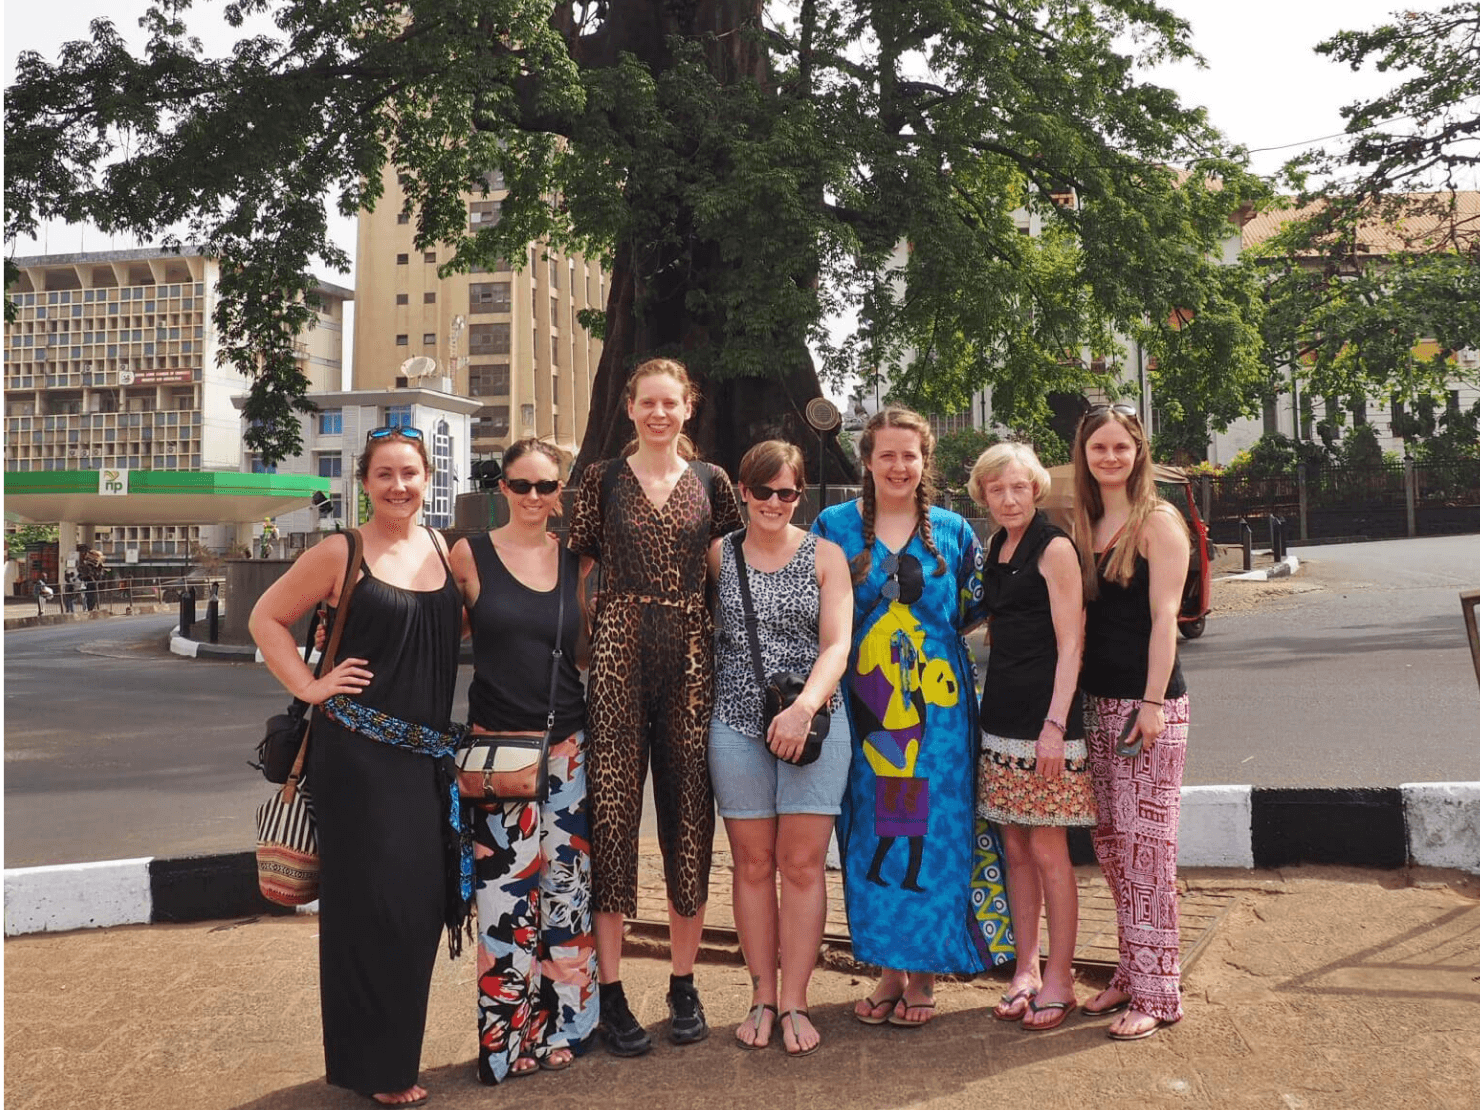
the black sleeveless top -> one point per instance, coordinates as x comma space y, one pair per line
1117, 636
410, 638
513, 635
1025, 650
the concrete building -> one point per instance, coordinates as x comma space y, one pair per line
507, 338
334, 436
111, 366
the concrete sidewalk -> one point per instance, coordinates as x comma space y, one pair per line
1322, 987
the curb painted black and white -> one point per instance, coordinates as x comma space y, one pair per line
1431, 824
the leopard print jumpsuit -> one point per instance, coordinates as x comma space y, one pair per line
652, 673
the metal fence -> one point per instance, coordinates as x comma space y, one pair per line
1334, 502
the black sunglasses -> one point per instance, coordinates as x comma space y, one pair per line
395, 430
1120, 409
906, 579
765, 493
522, 486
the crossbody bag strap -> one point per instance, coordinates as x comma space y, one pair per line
556, 654
737, 540
341, 612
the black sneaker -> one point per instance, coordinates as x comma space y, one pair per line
686, 1013
620, 1030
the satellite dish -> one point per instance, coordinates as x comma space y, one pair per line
125, 377
419, 366
822, 414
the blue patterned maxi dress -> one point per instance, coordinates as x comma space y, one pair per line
922, 874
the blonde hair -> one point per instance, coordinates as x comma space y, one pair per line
896, 417
765, 461
1089, 506
679, 373
997, 458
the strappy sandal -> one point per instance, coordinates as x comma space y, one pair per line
757, 1012
547, 1064
796, 1035
516, 1072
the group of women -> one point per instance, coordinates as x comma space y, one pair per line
869, 609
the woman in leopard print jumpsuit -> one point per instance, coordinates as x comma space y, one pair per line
649, 522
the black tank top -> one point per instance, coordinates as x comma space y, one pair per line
411, 639
1025, 651
1117, 636
513, 634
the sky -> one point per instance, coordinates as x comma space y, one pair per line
1264, 86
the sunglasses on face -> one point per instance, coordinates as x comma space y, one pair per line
1120, 408
765, 493
405, 430
906, 579
522, 486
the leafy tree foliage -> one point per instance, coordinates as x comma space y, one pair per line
748, 169
1387, 252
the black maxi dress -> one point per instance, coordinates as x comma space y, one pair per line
380, 819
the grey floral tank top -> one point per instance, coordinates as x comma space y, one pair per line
787, 603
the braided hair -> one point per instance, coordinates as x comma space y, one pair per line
909, 420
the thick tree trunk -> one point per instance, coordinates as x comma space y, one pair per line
646, 312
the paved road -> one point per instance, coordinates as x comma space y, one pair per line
115, 748
1362, 679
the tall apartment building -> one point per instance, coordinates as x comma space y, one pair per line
507, 338
111, 364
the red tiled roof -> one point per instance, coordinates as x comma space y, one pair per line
1433, 222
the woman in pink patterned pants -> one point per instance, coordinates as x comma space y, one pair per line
1135, 708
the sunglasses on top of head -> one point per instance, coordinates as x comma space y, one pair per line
405, 430
1120, 408
522, 486
765, 493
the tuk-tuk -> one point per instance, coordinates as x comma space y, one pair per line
1176, 488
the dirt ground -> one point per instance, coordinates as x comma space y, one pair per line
1321, 989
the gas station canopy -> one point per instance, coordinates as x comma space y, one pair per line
154, 496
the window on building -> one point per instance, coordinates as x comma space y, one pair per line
491, 423
1451, 403
488, 380
488, 296
403, 298
488, 339
554, 350
483, 213
329, 465
554, 273
428, 339
398, 416
403, 259
554, 312
258, 467
429, 298
402, 340
331, 422
429, 256
494, 179
403, 217
554, 389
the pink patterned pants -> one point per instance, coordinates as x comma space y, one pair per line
1139, 803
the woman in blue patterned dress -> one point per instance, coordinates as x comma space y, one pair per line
537, 1004
922, 876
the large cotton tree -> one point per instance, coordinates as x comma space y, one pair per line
749, 170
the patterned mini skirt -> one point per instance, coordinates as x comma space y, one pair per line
1010, 792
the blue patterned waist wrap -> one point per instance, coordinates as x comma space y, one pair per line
458, 833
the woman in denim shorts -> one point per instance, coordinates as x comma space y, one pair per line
778, 814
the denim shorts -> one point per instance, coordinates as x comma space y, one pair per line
750, 782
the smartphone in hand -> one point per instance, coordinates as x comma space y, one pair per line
1129, 751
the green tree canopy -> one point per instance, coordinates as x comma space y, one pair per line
748, 169
1386, 252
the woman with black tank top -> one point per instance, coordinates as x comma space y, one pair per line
380, 771
1033, 773
1133, 555
537, 1005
